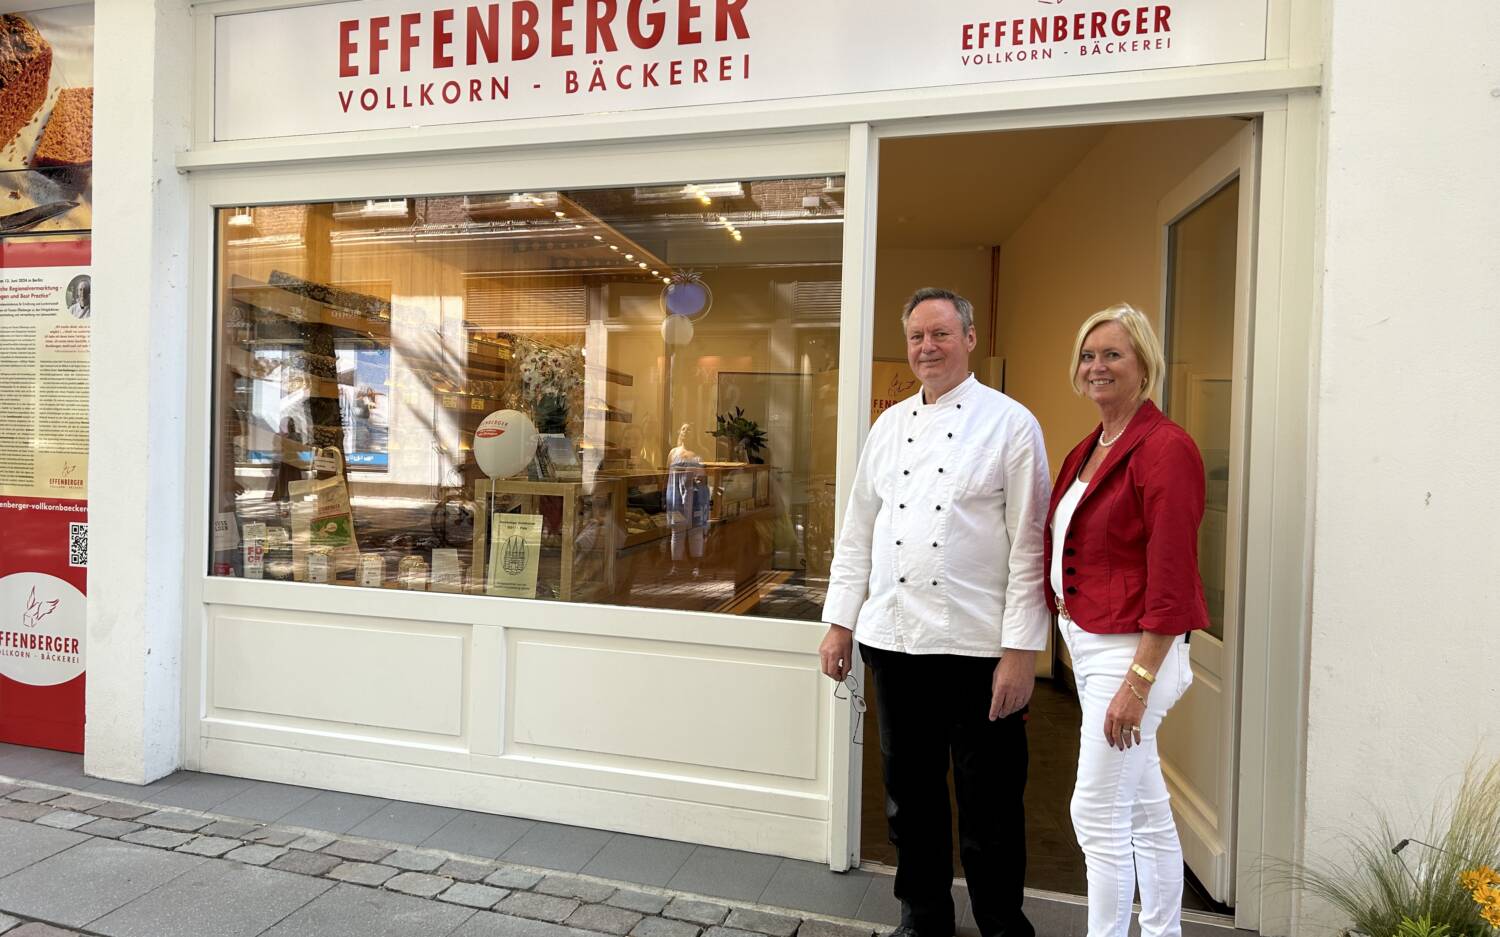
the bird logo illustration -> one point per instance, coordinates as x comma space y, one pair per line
36, 611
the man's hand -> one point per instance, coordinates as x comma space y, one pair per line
1015, 677
836, 653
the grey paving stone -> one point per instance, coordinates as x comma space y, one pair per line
726, 932
274, 837
105, 788
603, 918
230, 828
38, 929
418, 883
471, 895
75, 802
813, 927
13, 810
362, 873
65, 819
812, 886
34, 795
402, 822
114, 829
305, 863
211, 846
22, 844
115, 810
346, 911
703, 913
566, 886
510, 877
6, 789
762, 922
173, 820
194, 791
554, 846
639, 859
413, 861
219, 898
357, 852
725, 873
115, 874
265, 802
538, 907
664, 927
161, 839
312, 842
462, 871
880, 905
485, 924
638, 901
256, 854
333, 811
478, 834
6, 921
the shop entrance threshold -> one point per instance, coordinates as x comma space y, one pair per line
483, 873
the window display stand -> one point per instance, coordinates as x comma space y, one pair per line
573, 497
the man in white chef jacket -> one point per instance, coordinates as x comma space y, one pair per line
938, 575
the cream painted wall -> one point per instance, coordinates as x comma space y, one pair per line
1092, 242
1406, 565
899, 272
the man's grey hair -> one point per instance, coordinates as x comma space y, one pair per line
963, 307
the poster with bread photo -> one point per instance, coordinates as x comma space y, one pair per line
46, 120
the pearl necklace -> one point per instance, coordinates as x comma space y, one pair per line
1106, 443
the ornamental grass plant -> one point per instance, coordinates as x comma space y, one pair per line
1437, 882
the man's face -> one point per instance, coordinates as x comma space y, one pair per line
937, 347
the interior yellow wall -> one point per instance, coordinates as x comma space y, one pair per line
899, 272
1091, 242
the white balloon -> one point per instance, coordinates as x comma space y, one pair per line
504, 442
677, 330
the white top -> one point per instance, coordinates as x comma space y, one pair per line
941, 546
1061, 518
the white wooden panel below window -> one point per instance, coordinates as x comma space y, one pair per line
359, 676
720, 712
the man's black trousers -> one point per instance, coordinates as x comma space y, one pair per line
932, 707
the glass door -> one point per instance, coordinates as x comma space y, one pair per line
1208, 230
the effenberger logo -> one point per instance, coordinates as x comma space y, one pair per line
1123, 30
41, 629
494, 35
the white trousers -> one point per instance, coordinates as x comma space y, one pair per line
1121, 813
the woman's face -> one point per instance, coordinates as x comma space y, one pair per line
1108, 368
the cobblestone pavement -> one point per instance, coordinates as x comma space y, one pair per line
74, 863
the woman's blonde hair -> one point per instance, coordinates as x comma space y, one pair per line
1142, 338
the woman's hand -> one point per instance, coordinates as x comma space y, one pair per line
1122, 720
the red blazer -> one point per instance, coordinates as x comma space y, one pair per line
1130, 559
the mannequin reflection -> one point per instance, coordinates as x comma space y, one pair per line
687, 499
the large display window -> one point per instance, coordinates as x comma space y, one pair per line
622, 395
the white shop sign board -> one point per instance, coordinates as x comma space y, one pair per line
386, 64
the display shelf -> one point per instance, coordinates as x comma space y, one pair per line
573, 496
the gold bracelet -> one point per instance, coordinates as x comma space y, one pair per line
1148, 675
1135, 691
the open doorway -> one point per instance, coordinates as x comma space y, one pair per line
1039, 229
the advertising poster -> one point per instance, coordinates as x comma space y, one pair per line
891, 382
46, 309
515, 555
46, 313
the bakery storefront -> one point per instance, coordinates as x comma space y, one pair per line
532, 353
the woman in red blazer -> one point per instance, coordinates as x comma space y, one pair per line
1121, 545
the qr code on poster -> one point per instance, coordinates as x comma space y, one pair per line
78, 545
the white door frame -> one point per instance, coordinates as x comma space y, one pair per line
1277, 529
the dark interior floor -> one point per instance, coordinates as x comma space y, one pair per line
1054, 861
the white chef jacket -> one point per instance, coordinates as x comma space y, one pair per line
941, 546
